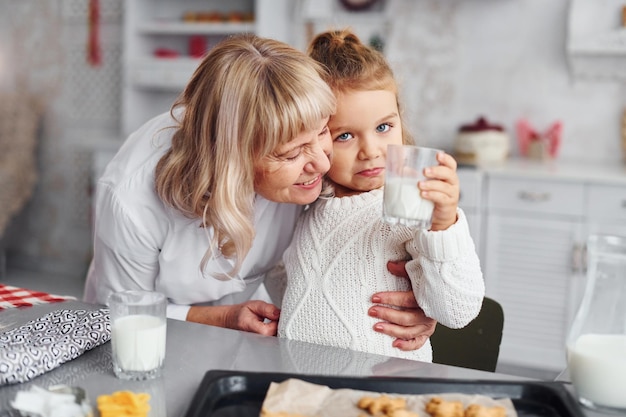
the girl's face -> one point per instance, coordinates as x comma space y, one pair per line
365, 123
293, 172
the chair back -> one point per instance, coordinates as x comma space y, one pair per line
474, 346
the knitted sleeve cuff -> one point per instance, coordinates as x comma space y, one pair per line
443, 245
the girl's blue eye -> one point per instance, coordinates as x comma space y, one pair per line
383, 128
344, 137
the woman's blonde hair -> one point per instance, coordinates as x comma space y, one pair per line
248, 96
353, 66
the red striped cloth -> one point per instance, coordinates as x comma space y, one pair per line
21, 297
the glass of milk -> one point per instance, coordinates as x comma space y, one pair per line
138, 333
596, 344
402, 203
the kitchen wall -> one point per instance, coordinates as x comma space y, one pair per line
504, 59
44, 42
456, 60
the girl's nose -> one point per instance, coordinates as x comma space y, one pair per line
369, 149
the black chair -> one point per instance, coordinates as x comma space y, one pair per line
476, 345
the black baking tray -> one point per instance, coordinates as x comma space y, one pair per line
235, 393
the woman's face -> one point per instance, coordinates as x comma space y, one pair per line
293, 172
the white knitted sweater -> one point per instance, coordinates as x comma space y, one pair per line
337, 261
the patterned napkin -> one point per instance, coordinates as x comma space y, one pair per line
47, 342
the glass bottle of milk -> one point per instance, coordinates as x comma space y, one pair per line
596, 344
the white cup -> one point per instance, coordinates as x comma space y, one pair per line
402, 202
138, 333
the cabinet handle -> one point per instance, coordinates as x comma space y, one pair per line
533, 196
579, 258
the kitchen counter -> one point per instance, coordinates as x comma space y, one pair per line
193, 349
579, 171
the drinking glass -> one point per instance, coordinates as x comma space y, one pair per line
138, 333
402, 203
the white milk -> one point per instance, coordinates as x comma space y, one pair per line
138, 342
402, 200
597, 367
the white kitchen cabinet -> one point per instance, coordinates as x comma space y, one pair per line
530, 271
151, 84
535, 220
470, 200
606, 207
532, 256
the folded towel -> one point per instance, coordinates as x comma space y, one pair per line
47, 342
21, 297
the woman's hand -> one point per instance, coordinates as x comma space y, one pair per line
249, 316
409, 325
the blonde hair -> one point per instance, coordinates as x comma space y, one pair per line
353, 66
248, 96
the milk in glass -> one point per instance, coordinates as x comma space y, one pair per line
139, 342
402, 199
138, 333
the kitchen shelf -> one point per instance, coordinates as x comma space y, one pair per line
361, 18
162, 74
152, 29
162, 27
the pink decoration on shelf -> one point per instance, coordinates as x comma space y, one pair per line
197, 46
525, 133
539, 145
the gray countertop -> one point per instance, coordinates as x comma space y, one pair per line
194, 349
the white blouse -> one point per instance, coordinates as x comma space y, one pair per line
140, 243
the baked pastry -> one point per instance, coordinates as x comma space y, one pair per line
475, 410
438, 407
383, 404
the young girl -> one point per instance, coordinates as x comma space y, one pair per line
338, 255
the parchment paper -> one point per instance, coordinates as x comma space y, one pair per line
301, 398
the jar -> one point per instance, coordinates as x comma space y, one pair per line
596, 344
481, 143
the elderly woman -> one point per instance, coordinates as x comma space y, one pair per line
201, 202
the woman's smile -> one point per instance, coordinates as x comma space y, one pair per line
310, 183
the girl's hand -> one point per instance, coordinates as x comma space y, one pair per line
409, 325
249, 316
442, 188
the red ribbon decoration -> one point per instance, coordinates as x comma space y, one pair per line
94, 57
